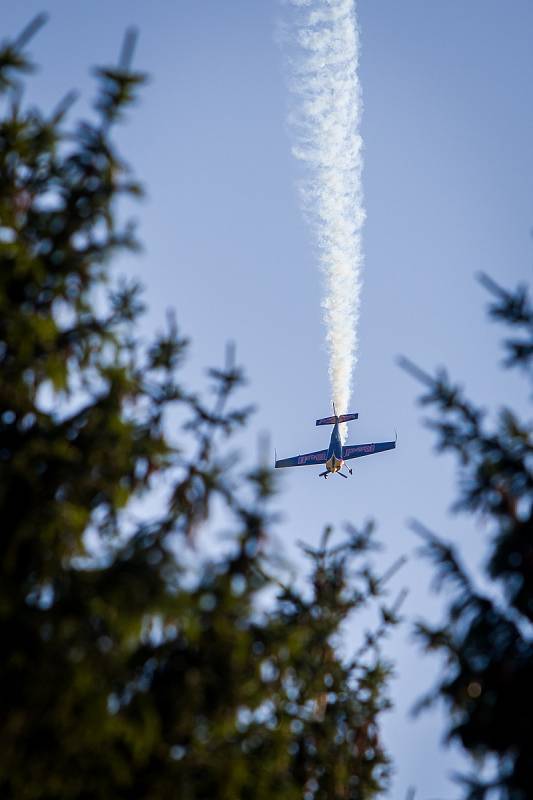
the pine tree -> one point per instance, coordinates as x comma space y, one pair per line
487, 640
127, 671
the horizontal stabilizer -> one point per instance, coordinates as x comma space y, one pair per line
327, 421
333, 420
347, 417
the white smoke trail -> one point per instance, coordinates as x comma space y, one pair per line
325, 123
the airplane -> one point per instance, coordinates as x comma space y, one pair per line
336, 455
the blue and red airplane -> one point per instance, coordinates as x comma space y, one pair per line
337, 453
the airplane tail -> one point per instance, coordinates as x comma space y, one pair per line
333, 420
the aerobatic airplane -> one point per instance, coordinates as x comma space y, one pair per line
336, 454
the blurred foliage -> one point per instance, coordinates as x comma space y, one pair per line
487, 638
127, 670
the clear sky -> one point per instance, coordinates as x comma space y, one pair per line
448, 132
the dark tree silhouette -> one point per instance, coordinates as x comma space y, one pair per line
128, 671
487, 642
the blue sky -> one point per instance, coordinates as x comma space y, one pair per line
448, 133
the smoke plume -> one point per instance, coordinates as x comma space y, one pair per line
324, 120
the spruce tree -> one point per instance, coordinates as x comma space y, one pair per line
486, 638
128, 671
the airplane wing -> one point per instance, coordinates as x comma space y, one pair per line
358, 450
318, 457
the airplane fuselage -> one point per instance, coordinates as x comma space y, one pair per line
334, 460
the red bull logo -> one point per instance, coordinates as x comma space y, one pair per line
312, 457
365, 449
